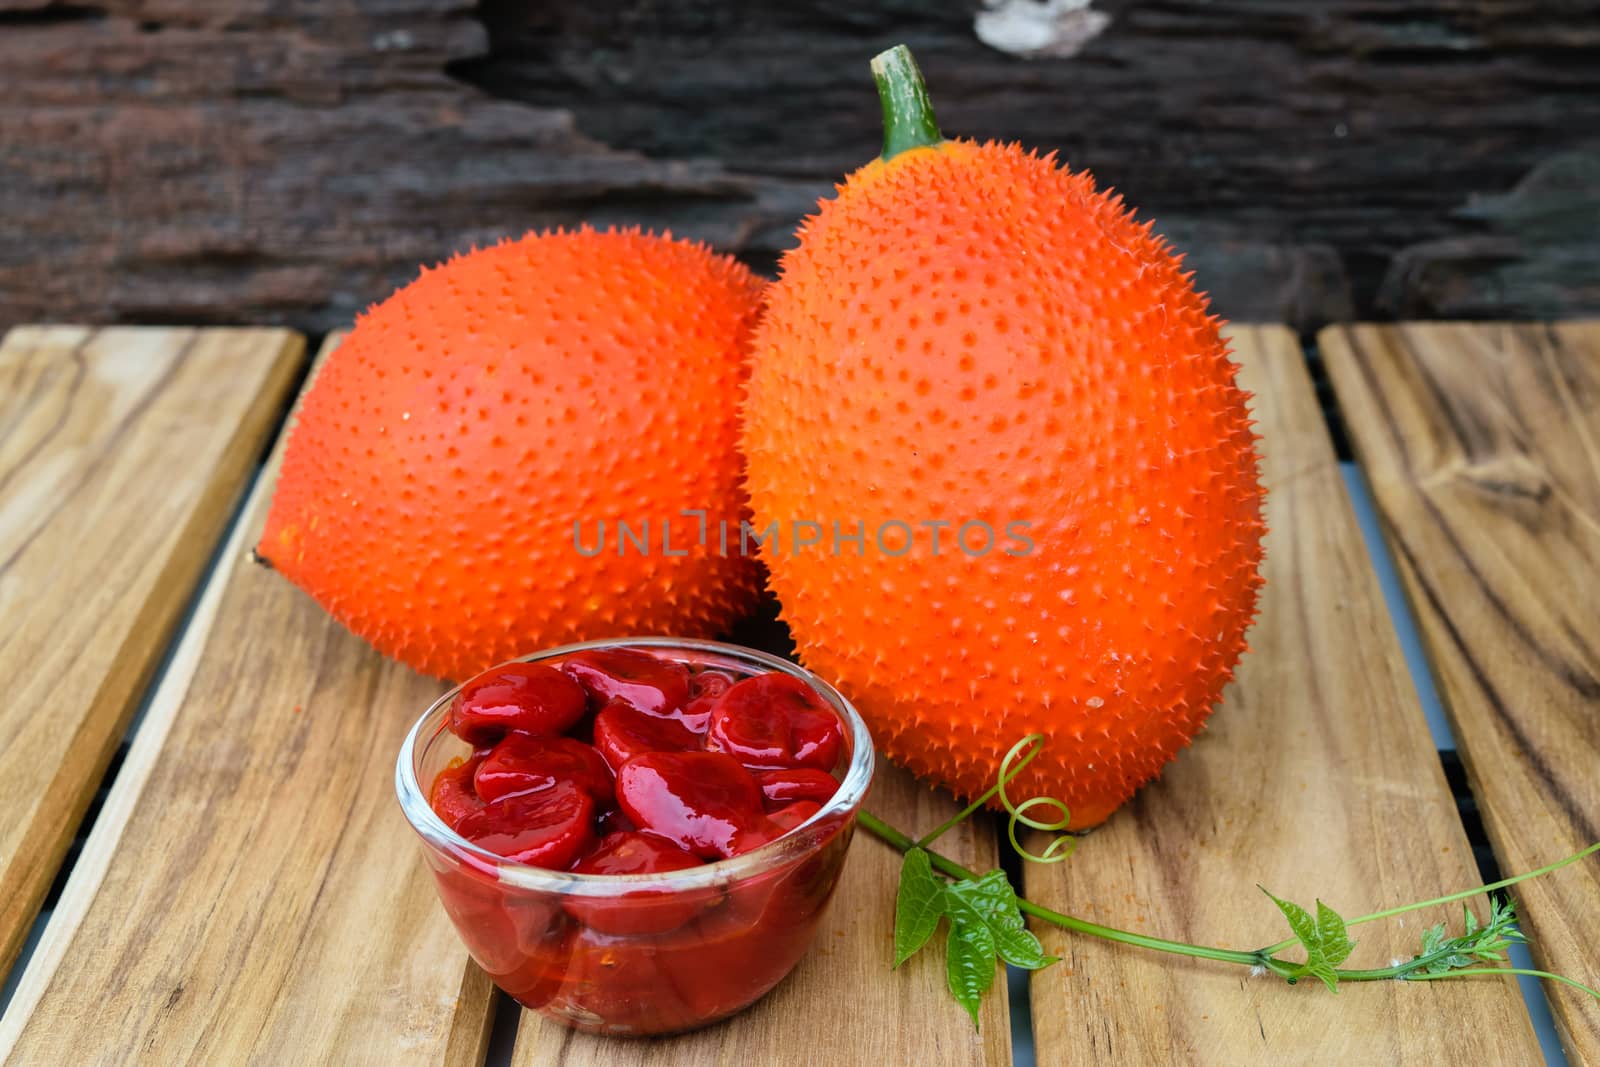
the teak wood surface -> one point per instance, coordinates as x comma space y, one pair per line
266, 872
250, 893
265, 901
1482, 444
1316, 777
122, 453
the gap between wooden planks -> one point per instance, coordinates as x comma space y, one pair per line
122, 452
1482, 444
1316, 777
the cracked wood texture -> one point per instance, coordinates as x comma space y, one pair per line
1316, 778
842, 1004
122, 452
1482, 444
245, 160
265, 901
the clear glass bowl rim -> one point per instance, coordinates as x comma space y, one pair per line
852, 790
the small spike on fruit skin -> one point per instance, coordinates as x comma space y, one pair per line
438, 462
971, 332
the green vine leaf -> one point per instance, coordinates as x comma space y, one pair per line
1487, 943
1323, 938
918, 905
985, 920
1301, 923
993, 898
1333, 935
963, 913
1325, 971
969, 962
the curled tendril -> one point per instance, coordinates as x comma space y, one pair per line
1014, 763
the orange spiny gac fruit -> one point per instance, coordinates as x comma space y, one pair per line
438, 465
967, 334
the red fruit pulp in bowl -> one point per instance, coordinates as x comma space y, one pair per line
700, 801
775, 721
690, 763
529, 698
631, 852
522, 764
804, 783
622, 732
550, 828
651, 684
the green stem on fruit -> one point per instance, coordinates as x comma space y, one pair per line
908, 120
1272, 950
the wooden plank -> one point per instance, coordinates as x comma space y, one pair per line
1316, 779
258, 897
122, 452
842, 1004
1482, 443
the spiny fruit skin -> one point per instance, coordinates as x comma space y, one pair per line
437, 466
968, 332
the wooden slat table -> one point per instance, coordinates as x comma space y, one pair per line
121, 454
1483, 447
1317, 779
263, 896
249, 892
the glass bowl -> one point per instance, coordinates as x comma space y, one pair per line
645, 953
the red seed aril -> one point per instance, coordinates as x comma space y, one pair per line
616, 979
622, 732
710, 683
542, 972
643, 912
775, 825
478, 909
775, 721
801, 783
649, 683
522, 764
634, 853
704, 689
528, 698
696, 715
453, 797
701, 801
550, 828
791, 816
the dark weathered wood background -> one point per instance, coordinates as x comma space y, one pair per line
290, 161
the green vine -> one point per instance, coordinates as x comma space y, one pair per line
984, 914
